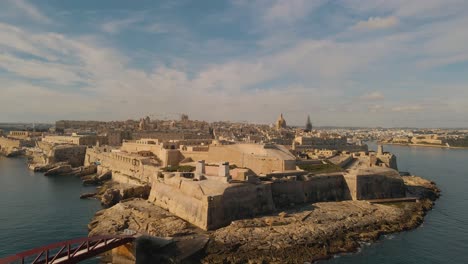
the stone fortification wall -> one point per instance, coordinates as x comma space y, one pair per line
389, 160
7, 144
317, 188
122, 178
211, 204
192, 208
125, 169
375, 183
167, 156
341, 161
238, 202
195, 155
74, 155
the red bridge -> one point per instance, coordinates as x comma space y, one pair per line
71, 251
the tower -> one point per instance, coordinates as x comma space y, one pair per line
280, 123
380, 150
308, 126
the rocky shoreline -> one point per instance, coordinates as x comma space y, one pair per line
301, 234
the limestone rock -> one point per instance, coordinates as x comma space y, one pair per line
135, 192
59, 170
110, 197
87, 195
105, 176
297, 235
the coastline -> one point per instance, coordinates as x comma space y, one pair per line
422, 145
305, 233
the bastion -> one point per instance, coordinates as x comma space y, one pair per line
213, 201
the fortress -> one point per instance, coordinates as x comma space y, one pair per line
225, 182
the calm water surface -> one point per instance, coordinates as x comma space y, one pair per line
36, 210
443, 238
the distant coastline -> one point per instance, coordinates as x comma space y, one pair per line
421, 145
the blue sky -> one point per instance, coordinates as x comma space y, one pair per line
346, 63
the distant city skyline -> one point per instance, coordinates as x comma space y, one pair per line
345, 63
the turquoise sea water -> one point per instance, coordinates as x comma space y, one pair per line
36, 210
443, 238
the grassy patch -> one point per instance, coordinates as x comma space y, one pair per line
182, 168
321, 168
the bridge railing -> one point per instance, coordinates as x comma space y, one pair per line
70, 251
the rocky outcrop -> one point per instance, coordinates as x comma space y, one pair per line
97, 179
139, 215
110, 197
105, 176
44, 167
87, 195
59, 170
421, 188
112, 193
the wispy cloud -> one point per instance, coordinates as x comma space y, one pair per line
408, 108
375, 108
115, 26
372, 96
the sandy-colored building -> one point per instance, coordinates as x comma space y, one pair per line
427, 139
24, 134
304, 143
260, 158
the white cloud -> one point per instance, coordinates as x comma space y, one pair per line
33, 69
377, 23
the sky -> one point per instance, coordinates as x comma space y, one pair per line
386, 63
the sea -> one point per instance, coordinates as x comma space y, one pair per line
443, 237
36, 210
